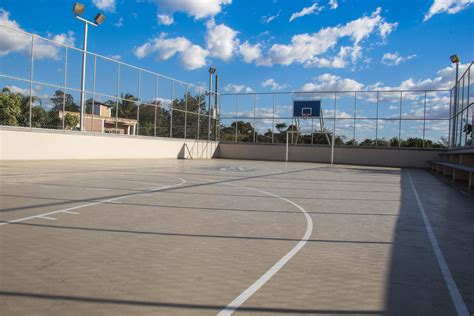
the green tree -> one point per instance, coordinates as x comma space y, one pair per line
10, 108
71, 121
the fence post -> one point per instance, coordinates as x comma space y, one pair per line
185, 112
400, 121
64, 90
424, 120
138, 104
31, 74
377, 122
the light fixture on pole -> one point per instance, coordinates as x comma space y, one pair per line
78, 9
455, 60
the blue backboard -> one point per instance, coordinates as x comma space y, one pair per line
307, 108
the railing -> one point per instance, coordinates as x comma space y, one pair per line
41, 80
462, 110
395, 118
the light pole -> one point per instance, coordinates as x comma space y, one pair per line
455, 60
212, 71
78, 10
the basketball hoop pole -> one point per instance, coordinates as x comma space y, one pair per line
286, 156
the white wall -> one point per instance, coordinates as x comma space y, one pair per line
30, 144
390, 157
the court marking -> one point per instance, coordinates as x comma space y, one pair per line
456, 297
264, 278
67, 210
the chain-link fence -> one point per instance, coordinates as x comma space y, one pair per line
462, 110
40, 82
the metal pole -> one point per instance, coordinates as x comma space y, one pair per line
286, 156
65, 85
450, 118
118, 96
355, 116
236, 121
273, 118
216, 107
424, 121
377, 122
209, 108
400, 122
83, 80
254, 118
31, 75
185, 112
156, 101
333, 142
138, 105
171, 109
455, 105
93, 94
199, 114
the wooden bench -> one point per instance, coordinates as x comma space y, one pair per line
458, 164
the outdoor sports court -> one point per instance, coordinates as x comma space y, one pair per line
190, 237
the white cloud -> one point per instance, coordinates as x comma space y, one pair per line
329, 82
106, 5
234, 88
250, 52
307, 48
191, 56
394, 59
267, 19
197, 9
165, 19
333, 4
443, 80
221, 40
448, 6
119, 22
314, 9
13, 41
272, 84
116, 57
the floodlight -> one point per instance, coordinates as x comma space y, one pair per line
78, 8
455, 59
99, 18
212, 70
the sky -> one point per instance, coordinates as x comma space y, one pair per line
256, 46
268, 45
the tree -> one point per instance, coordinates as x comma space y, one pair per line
10, 108
59, 98
71, 121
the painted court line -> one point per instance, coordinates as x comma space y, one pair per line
456, 297
252, 289
50, 218
89, 204
70, 212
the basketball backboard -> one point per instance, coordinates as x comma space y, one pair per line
307, 108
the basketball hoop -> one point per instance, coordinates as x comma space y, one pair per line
305, 116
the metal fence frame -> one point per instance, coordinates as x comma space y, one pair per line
201, 91
462, 110
334, 118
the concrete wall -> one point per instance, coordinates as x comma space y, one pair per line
28, 144
392, 157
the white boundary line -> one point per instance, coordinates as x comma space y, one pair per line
247, 293
66, 210
456, 297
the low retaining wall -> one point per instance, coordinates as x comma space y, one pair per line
373, 156
31, 144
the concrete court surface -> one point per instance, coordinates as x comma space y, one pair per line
182, 237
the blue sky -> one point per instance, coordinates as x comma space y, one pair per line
254, 45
